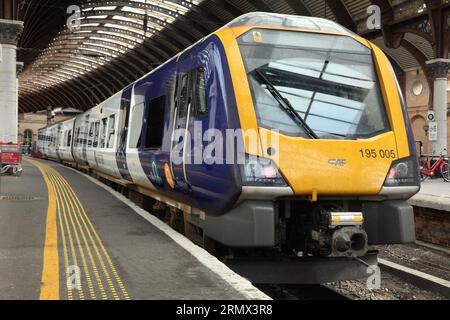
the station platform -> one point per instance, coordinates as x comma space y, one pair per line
434, 194
432, 212
64, 235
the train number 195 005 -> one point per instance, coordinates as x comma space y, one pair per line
380, 153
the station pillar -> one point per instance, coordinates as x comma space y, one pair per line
439, 69
9, 33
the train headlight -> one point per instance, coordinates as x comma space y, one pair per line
258, 171
403, 172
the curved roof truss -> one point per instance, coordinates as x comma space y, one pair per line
118, 41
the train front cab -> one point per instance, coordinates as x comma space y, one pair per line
334, 130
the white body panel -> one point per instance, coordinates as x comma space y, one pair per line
134, 164
52, 133
80, 135
41, 142
102, 136
64, 140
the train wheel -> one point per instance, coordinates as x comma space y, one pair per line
177, 220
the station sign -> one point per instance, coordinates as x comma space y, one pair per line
432, 131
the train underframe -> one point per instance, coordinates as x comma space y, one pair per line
291, 240
299, 241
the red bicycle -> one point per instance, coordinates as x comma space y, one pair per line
428, 171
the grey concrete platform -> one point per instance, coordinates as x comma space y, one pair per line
120, 254
434, 194
23, 206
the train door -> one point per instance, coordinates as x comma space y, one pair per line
134, 146
181, 145
124, 116
59, 145
196, 125
70, 140
90, 157
95, 143
54, 135
85, 138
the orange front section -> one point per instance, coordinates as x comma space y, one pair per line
333, 167
316, 167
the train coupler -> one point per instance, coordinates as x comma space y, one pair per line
336, 233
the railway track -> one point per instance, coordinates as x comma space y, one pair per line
301, 292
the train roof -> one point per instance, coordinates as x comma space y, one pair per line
266, 19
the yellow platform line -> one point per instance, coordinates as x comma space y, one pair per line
50, 271
71, 240
63, 237
86, 243
70, 212
63, 202
99, 256
81, 210
75, 233
87, 222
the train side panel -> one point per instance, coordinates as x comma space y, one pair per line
64, 140
172, 95
52, 133
107, 119
80, 132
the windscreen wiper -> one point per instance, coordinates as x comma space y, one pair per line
285, 104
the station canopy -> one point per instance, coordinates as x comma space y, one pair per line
76, 59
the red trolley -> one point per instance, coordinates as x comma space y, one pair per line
10, 159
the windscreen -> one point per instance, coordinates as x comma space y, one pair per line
303, 82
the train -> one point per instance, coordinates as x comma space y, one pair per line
284, 139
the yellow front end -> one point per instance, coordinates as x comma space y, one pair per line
328, 167
324, 167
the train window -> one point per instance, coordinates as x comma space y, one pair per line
201, 108
103, 134
69, 138
111, 131
155, 122
91, 134
328, 81
96, 133
135, 127
82, 136
80, 133
184, 96
78, 136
